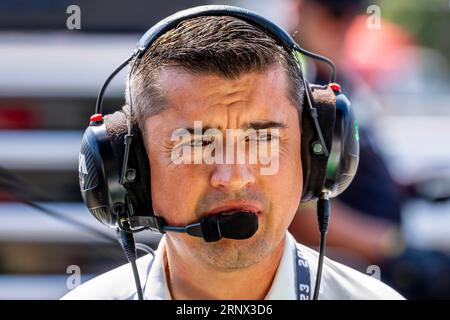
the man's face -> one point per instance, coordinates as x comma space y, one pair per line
184, 193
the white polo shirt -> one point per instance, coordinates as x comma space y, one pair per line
338, 281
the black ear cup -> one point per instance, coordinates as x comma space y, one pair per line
99, 175
314, 160
137, 177
100, 163
344, 157
335, 172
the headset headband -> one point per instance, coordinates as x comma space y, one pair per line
276, 32
216, 10
251, 17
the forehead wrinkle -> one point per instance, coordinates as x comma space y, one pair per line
229, 93
214, 91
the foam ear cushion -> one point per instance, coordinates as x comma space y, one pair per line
138, 190
314, 166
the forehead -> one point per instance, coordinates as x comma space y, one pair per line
225, 102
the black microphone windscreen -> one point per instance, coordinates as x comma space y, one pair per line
239, 225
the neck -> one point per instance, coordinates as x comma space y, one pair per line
186, 277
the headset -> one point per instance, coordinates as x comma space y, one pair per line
114, 171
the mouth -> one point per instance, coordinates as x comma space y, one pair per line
232, 208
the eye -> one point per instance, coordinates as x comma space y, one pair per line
201, 142
264, 137
261, 136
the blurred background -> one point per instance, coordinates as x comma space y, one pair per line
393, 61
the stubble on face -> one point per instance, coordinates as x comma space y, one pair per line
229, 254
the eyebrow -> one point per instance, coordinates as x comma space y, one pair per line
258, 125
255, 125
192, 131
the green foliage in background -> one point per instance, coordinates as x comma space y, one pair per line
427, 20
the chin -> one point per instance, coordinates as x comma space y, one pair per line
230, 254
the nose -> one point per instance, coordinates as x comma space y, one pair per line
232, 176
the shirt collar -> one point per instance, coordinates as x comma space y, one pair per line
283, 285
156, 287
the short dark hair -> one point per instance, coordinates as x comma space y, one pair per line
219, 45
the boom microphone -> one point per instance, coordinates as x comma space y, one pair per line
238, 225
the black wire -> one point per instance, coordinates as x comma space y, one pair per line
127, 243
16, 183
22, 192
53, 214
325, 60
323, 217
68, 220
323, 238
137, 280
98, 104
128, 138
126, 240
